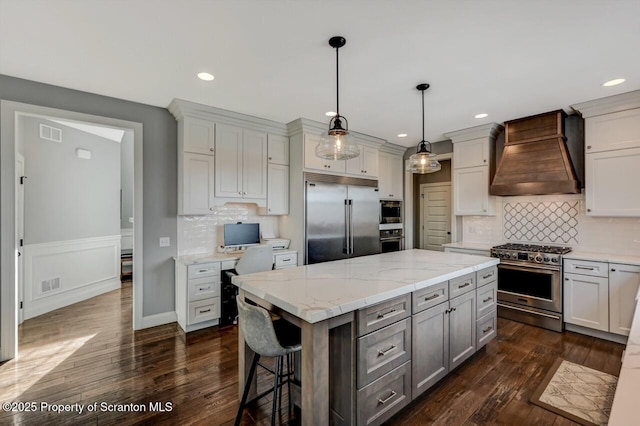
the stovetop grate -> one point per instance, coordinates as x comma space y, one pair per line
535, 248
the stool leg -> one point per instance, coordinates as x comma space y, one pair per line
275, 389
289, 380
247, 385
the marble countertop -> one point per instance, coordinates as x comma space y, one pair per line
471, 246
219, 257
603, 257
325, 290
625, 402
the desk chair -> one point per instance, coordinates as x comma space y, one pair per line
255, 259
268, 338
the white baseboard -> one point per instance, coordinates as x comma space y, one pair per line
159, 319
618, 338
78, 269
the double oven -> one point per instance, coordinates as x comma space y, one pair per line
530, 284
391, 228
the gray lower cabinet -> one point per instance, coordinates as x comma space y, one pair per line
381, 399
462, 328
430, 354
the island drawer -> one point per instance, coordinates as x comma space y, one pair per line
461, 285
382, 351
384, 397
377, 316
487, 297
487, 275
430, 296
586, 267
203, 270
487, 328
203, 310
203, 288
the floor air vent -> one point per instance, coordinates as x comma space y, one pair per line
50, 133
50, 284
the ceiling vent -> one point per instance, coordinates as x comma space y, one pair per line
535, 160
50, 133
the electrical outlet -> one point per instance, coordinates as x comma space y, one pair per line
165, 242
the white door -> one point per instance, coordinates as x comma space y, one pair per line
20, 233
435, 216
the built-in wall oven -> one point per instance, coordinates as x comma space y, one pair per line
391, 240
390, 211
530, 285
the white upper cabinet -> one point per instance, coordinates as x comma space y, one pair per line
472, 153
278, 149
195, 196
277, 189
612, 155
199, 136
365, 164
624, 281
241, 163
390, 174
311, 161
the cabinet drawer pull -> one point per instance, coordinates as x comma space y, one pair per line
467, 284
613, 270
386, 351
433, 296
588, 268
286, 260
453, 309
484, 277
487, 329
204, 288
387, 399
487, 299
203, 270
381, 315
566, 279
205, 311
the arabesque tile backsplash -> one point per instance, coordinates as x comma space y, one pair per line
552, 219
201, 234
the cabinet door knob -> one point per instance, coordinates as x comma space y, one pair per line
588, 210
211, 149
244, 193
390, 195
239, 192
484, 161
270, 158
329, 166
566, 279
588, 146
613, 270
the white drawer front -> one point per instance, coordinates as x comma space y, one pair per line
586, 267
486, 301
228, 264
204, 310
203, 288
203, 270
286, 260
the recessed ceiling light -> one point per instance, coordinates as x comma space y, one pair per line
402, 135
205, 76
330, 113
614, 82
483, 115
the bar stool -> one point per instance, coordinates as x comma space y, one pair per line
268, 338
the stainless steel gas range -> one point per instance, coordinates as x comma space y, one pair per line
530, 284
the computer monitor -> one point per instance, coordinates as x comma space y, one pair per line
241, 234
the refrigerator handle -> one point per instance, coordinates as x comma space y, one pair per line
347, 227
350, 227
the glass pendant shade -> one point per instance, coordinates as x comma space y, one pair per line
423, 161
337, 143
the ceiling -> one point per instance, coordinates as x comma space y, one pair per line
271, 58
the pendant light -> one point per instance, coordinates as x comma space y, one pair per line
337, 143
423, 161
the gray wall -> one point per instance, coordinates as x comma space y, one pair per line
159, 173
126, 180
66, 197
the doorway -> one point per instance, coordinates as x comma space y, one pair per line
435, 215
11, 251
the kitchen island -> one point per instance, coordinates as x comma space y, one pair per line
357, 318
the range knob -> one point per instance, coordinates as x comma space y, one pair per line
514, 255
546, 259
554, 259
538, 258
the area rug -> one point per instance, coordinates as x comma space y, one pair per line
580, 394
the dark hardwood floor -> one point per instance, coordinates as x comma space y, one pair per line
88, 353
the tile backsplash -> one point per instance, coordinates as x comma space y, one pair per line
554, 220
201, 234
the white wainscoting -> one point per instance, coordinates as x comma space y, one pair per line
126, 242
85, 268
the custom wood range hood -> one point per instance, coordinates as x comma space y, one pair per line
535, 160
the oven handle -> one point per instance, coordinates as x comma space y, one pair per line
521, 267
528, 311
391, 239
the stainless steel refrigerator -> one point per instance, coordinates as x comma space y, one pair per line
342, 217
